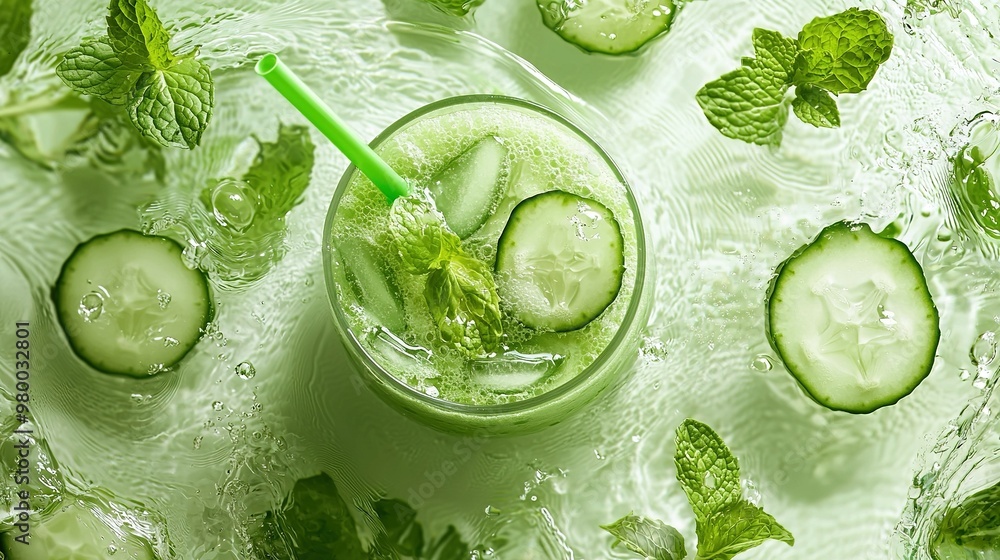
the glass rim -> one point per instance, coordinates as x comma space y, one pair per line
556, 393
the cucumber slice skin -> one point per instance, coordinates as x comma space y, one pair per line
784, 272
506, 242
63, 311
599, 41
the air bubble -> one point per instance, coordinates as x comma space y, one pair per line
984, 350
245, 370
91, 306
217, 406
761, 363
234, 204
197, 441
163, 299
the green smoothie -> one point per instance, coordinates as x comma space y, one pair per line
550, 217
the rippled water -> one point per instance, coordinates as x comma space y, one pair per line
207, 446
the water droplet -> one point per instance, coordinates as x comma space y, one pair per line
217, 406
112, 549
197, 441
761, 363
490, 510
534, 498
944, 234
162, 298
91, 306
964, 374
636, 438
984, 350
709, 480
245, 370
234, 204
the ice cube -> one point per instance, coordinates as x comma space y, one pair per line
514, 372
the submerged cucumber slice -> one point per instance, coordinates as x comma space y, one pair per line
129, 305
74, 532
467, 189
608, 26
372, 283
560, 261
851, 317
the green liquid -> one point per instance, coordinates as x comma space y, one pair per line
542, 155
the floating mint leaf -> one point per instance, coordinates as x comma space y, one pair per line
281, 171
169, 99
649, 538
970, 529
448, 546
835, 54
735, 529
15, 31
137, 34
816, 107
774, 52
420, 233
842, 52
315, 524
95, 69
456, 7
462, 299
749, 103
706, 469
173, 106
403, 535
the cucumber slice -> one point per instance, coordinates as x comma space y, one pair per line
372, 282
129, 305
75, 532
468, 188
851, 317
608, 26
560, 261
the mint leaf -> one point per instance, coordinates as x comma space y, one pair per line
650, 538
749, 103
706, 469
281, 171
137, 34
403, 535
735, 529
448, 546
15, 31
420, 233
775, 52
172, 106
169, 99
315, 523
95, 69
970, 529
842, 52
456, 7
816, 107
462, 298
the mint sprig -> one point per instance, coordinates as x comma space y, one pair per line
725, 522
15, 31
831, 55
460, 292
649, 538
168, 98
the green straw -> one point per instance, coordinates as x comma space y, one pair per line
347, 141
